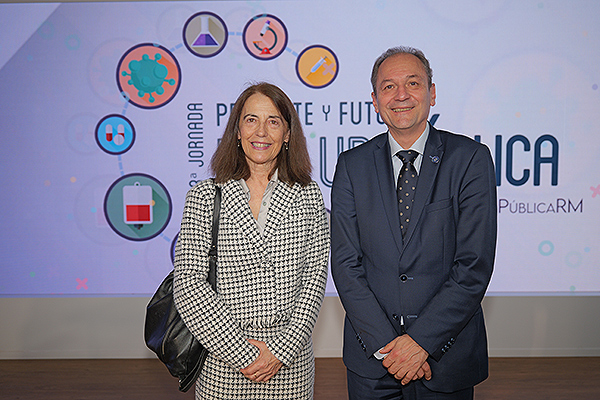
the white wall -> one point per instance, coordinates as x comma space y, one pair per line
113, 327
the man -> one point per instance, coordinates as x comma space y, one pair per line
412, 261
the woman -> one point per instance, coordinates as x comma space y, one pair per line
273, 249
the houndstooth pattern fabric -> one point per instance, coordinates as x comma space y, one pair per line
270, 287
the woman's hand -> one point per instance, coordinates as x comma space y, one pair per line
264, 367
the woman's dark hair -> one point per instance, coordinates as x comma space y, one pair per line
293, 162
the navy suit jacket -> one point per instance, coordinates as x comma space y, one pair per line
436, 278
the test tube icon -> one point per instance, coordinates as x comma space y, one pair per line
120, 138
109, 132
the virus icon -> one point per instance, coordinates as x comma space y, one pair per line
145, 81
148, 76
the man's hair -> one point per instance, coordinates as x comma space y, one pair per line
400, 50
293, 161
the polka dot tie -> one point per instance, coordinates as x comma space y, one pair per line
405, 189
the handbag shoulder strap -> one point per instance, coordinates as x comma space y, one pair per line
215, 222
212, 253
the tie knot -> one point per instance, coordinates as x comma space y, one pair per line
407, 155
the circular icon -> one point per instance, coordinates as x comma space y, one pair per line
265, 37
546, 248
101, 70
88, 211
205, 34
317, 66
137, 207
574, 259
115, 134
148, 75
81, 133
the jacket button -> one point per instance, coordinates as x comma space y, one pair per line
403, 277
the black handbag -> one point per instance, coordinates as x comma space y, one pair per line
165, 332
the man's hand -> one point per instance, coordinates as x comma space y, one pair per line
264, 367
406, 360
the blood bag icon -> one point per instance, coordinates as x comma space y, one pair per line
137, 204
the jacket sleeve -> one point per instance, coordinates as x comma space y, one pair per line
294, 337
368, 319
202, 310
460, 296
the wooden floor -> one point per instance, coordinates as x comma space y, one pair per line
148, 379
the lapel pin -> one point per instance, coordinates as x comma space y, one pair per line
434, 159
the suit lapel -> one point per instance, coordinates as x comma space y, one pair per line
385, 175
432, 158
236, 208
283, 197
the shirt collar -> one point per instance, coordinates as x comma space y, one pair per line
418, 146
272, 182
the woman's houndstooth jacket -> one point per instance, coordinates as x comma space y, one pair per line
270, 286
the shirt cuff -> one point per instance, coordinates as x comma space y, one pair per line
378, 355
